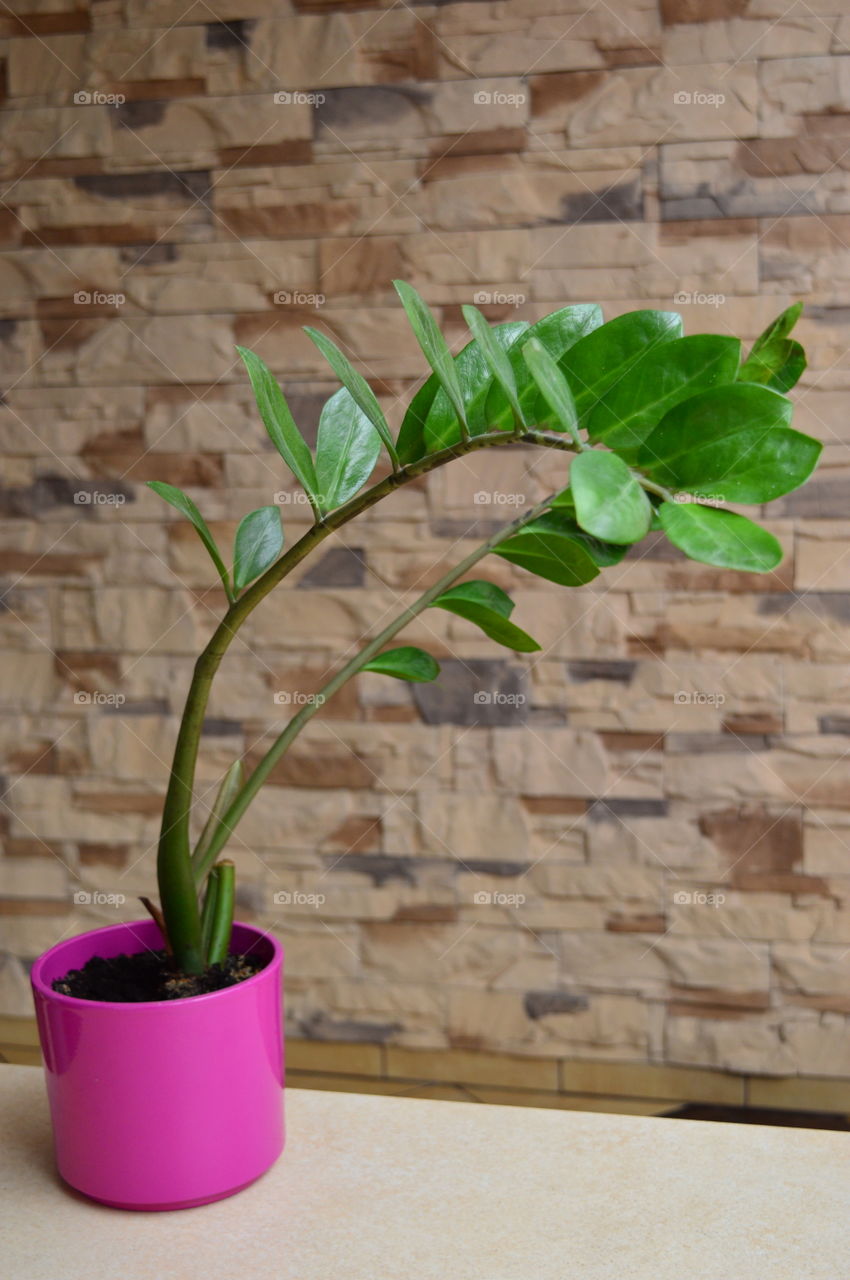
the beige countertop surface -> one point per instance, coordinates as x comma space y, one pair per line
379, 1188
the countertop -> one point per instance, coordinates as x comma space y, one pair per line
380, 1188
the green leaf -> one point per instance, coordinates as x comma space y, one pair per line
258, 543
433, 344
406, 663
495, 357
441, 427
732, 444
669, 374
557, 333
553, 386
357, 385
780, 327
230, 786
719, 537
279, 423
609, 501
186, 507
600, 360
779, 364
552, 547
347, 449
489, 607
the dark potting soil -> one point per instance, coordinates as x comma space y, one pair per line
147, 975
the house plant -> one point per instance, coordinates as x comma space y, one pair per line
663, 430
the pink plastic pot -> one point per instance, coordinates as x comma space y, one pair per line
167, 1104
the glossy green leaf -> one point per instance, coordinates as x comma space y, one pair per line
719, 537
557, 333
489, 607
406, 663
441, 427
496, 358
356, 384
279, 423
184, 504
347, 449
780, 365
732, 444
780, 327
669, 374
609, 501
258, 543
600, 360
433, 344
552, 547
553, 385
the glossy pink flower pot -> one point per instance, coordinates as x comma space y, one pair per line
165, 1104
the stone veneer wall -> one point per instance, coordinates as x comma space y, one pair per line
636, 850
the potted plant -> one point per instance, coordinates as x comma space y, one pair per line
162, 1038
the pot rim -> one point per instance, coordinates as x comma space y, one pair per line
45, 990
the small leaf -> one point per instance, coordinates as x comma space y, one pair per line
780, 327
496, 358
489, 607
553, 386
347, 449
184, 504
279, 423
609, 501
357, 385
406, 663
719, 537
779, 364
259, 539
553, 547
231, 785
434, 346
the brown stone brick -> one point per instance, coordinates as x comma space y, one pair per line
675, 11
355, 835
52, 564
778, 883
318, 767
620, 923
548, 92
367, 265
292, 151
756, 841
554, 804
485, 142
619, 741
45, 24
760, 722
308, 218
136, 89
143, 802
30, 847
720, 998
33, 907
109, 855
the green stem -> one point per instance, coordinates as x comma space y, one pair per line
221, 922
208, 911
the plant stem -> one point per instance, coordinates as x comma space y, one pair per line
351, 668
221, 918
